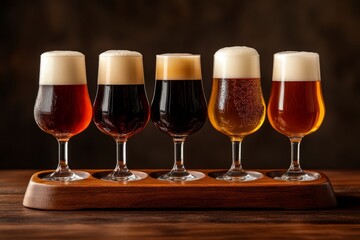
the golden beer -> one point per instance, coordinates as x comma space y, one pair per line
236, 106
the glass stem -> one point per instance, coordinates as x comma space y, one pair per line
236, 156
295, 156
121, 155
179, 155
63, 157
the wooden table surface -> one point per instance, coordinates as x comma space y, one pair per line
18, 222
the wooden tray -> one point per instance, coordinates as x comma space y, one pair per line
150, 193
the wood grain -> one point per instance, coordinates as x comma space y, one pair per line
341, 222
207, 192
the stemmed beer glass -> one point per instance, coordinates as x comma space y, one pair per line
237, 106
121, 107
178, 106
62, 108
296, 106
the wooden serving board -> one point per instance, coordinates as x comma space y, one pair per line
150, 193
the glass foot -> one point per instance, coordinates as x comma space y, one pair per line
67, 176
183, 176
124, 176
298, 176
240, 176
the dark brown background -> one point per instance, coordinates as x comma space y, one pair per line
331, 28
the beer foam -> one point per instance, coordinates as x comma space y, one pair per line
236, 62
178, 66
296, 66
120, 67
62, 68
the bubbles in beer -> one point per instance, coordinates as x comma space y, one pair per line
245, 107
296, 66
236, 62
178, 66
62, 68
120, 67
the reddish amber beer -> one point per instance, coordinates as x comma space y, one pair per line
63, 108
237, 106
121, 108
296, 106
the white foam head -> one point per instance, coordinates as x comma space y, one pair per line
236, 62
178, 66
120, 67
62, 68
296, 66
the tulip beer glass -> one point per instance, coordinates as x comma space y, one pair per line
178, 106
62, 107
237, 106
121, 108
296, 107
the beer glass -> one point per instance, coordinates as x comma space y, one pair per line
178, 107
296, 106
237, 106
121, 108
62, 107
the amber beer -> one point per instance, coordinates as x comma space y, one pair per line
296, 107
62, 106
53, 114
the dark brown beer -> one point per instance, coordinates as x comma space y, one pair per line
178, 107
296, 108
121, 110
236, 106
63, 110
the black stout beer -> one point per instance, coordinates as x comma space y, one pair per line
63, 106
178, 107
121, 108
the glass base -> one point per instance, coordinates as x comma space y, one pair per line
124, 176
184, 176
67, 176
298, 176
240, 176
